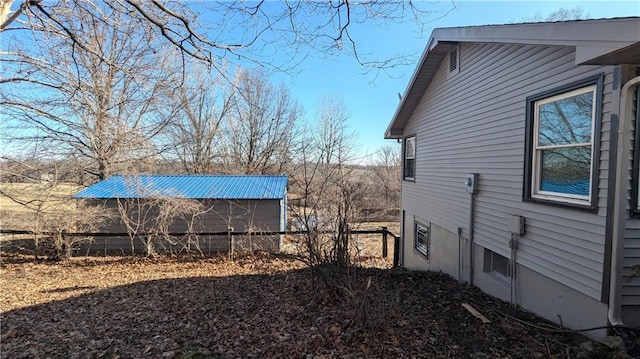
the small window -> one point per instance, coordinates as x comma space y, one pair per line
562, 138
496, 264
454, 61
409, 158
423, 239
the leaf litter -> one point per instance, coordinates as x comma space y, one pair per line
259, 306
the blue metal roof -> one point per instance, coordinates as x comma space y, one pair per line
185, 186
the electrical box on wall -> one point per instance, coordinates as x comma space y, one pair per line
471, 182
516, 225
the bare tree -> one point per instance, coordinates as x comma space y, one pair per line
47, 210
386, 168
336, 142
562, 14
151, 217
260, 126
328, 194
58, 59
201, 106
82, 217
98, 104
246, 32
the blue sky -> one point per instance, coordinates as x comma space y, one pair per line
373, 99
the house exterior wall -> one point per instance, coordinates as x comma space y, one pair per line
241, 215
543, 295
474, 122
444, 250
631, 286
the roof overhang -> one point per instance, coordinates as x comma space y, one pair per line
597, 42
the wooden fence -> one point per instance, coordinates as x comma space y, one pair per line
384, 232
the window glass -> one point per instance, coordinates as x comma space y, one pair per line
501, 265
566, 170
411, 147
495, 263
566, 121
409, 158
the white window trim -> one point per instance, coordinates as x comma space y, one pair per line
536, 160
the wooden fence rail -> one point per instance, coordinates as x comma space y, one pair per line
384, 232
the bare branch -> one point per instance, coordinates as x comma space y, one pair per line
6, 9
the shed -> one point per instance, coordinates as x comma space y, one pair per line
165, 204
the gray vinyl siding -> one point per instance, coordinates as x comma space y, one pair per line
474, 122
631, 287
241, 215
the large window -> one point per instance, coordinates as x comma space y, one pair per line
423, 239
409, 158
562, 139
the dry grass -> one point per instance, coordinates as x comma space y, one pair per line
29, 192
365, 248
28, 198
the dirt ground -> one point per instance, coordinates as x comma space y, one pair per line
262, 305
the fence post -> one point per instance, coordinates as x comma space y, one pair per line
385, 245
36, 245
66, 248
230, 239
396, 251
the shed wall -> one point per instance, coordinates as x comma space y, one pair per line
241, 215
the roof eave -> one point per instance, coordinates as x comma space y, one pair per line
593, 47
629, 54
424, 72
392, 132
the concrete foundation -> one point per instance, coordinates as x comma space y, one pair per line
532, 291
